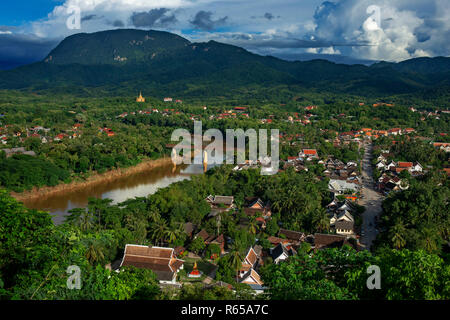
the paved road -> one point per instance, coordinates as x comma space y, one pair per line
372, 200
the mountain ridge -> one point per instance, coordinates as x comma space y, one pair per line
160, 61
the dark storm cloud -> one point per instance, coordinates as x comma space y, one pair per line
269, 16
241, 36
203, 21
118, 23
286, 43
20, 49
153, 18
89, 17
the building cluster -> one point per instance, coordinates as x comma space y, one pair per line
38, 132
169, 99
299, 162
390, 172
341, 216
168, 262
303, 120
436, 114
109, 132
444, 146
335, 169
357, 135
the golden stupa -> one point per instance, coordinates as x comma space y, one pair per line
140, 98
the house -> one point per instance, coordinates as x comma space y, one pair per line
220, 200
395, 131
442, 146
417, 167
344, 215
161, 261
341, 186
255, 206
212, 239
276, 241
253, 279
447, 171
381, 158
219, 204
405, 165
410, 166
168, 99
381, 166
189, 229
309, 154
60, 136
344, 227
322, 240
391, 165
281, 253
251, 261
248, 274
294, 237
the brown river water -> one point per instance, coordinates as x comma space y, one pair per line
137, 185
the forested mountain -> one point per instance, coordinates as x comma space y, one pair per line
162, 63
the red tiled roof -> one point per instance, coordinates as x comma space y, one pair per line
251, 257
310, 151
405, 164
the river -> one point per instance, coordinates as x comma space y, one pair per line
137, 185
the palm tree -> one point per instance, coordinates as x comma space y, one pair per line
158, 230
397, 235
322, 222
75, 217
235, 259
429, 239
81, 218
154, 215
137, 226
173, 231
95, 251
97, 207
252, 225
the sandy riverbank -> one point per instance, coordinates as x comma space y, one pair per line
92, 180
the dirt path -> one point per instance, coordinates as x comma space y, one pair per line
372, 200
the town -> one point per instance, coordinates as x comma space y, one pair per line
229, 228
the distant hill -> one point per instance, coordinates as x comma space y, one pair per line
336, 58
124, 61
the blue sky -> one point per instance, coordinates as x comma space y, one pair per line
19, 12
392, 30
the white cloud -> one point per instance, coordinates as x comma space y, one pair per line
109, 11
405, 28
329, 50
392, 35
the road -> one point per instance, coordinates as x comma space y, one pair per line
371, 200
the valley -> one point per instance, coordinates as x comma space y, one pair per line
86, 176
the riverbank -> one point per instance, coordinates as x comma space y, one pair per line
93, 180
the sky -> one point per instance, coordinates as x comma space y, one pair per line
390, 30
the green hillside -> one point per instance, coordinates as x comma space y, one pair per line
123, 61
